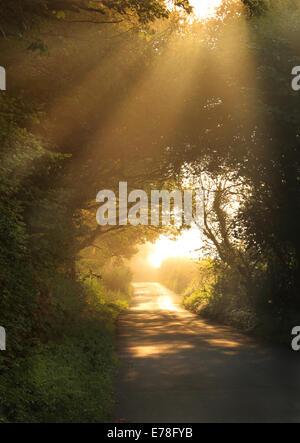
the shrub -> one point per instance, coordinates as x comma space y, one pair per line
117, 278
70, 378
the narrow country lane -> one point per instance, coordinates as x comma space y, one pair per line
177, 367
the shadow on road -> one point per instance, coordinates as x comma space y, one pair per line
176, 367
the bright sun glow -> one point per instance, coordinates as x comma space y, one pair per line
184, 246
204, 8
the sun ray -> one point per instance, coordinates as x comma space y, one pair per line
204, 9
186, 245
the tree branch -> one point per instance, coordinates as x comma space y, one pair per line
92, 21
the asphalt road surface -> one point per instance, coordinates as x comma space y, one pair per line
176, 367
